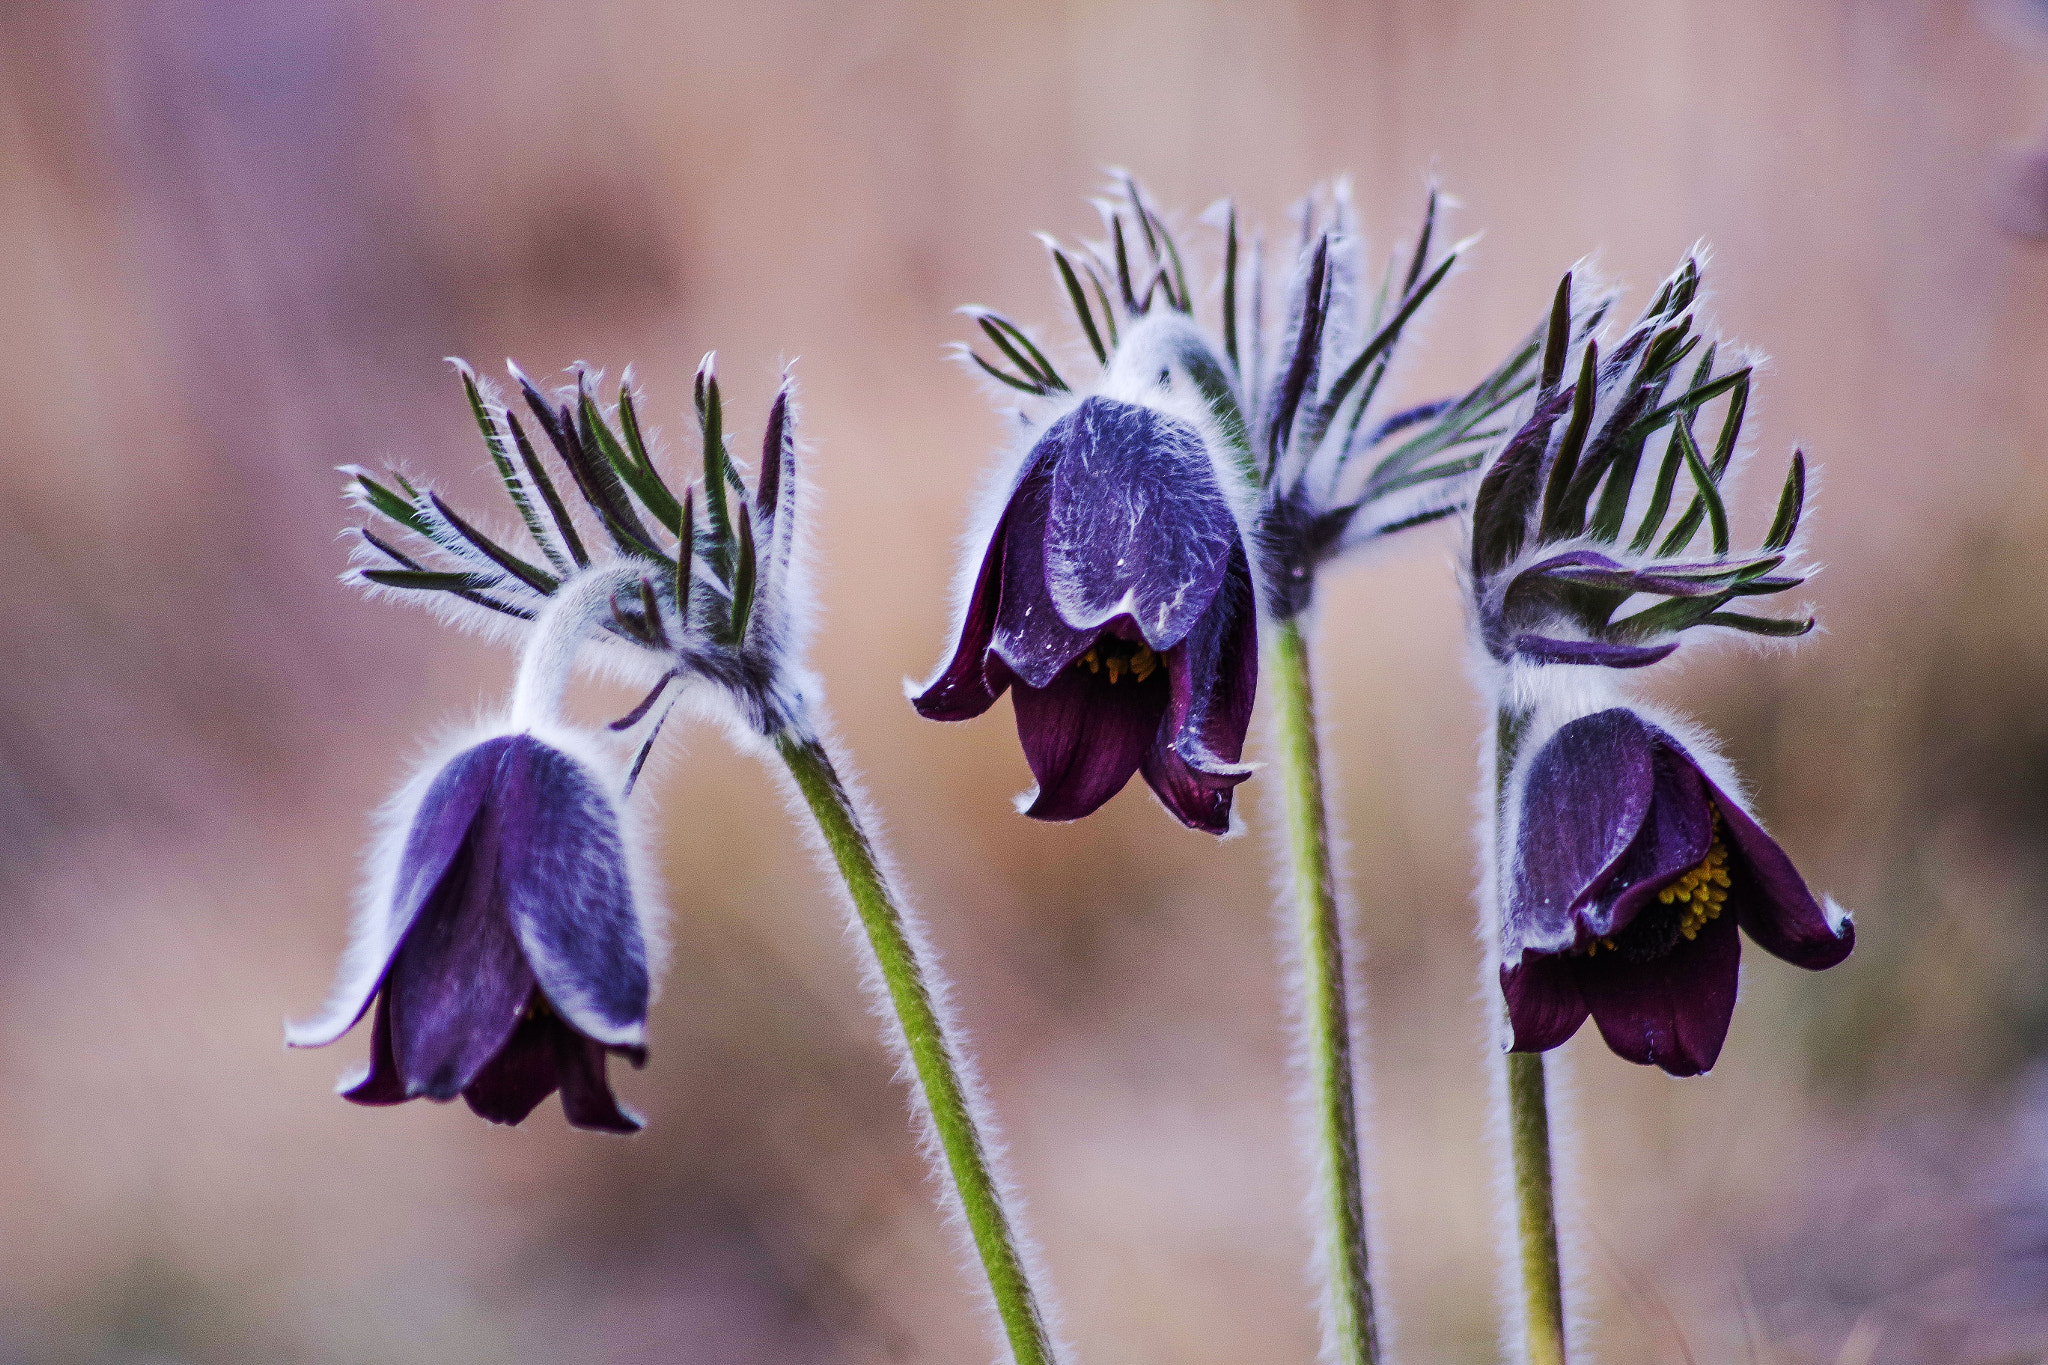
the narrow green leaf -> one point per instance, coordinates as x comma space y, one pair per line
1102, 295
1709, 494
1382, 343
1027, 385
1790, 503
537, 473
429, 580
743, 576
1230, 291
1123, 264
1030, 360
1566, 463
1758, 625
686, 556
1693, 398
1731, 425
711, 421
1421, 245
539, 580
645, 484
1558, 340
1673, 613
494, 441
388, 504
1078, 297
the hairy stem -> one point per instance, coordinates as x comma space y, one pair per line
940, 1074
1528, 1117
1350, 1322
1535, 1211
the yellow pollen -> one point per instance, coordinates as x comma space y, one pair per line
1141, 663
1699, 894
1702, 891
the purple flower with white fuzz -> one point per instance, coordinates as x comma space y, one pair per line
502, 944
1201, 477
1630, 870
1115, 596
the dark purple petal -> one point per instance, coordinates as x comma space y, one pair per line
1771, 897
1213, 676
964, 690
459, 981
1030, 636
1544, 650
1585, 798
1676, 836
1671, 1011
515, 1081
587, 1100
1084, 736
381, 1084
1137, 522
1544, 1004
565, 889
432, 841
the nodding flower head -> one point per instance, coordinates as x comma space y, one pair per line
1571, 524
706, 587
502, 941
1115, 594
1200, 473
1630, 869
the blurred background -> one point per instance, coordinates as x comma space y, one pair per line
236, 239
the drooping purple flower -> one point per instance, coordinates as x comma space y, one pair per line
1115, 596
503, 950
1630, 872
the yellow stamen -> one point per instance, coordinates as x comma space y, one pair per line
1142, 664
1115, 665
1701, 892
1094, 664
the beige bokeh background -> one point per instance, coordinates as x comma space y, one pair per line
236, 237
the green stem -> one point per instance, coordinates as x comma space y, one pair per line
1529, 1119
1325, 1007
939, 1072
1535, 1210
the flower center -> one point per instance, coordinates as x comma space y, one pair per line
1693, 899
1119, 658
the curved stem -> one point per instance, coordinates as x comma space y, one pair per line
1528, 1117
1351, 1325
942, 1079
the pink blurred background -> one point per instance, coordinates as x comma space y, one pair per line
236, 238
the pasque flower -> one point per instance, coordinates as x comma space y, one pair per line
1115, 595
1627, 860
502, 943
1632, 870
1151, 513
503, 939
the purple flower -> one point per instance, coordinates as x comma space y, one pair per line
503, 949
1116, 596
1631, 872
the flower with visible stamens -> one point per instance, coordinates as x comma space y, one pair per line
1631, 870
1115, 597
1624, 867
1156, 510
